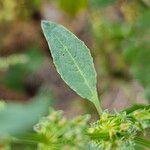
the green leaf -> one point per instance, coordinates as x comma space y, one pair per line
143, 142
30, 138
136, 107
73, 61
18, 118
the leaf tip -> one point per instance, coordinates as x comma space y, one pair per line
43, 23
47, 25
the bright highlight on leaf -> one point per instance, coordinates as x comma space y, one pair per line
73, 61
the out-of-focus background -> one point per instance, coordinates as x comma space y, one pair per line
116, 31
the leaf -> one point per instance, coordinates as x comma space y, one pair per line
73, 60
136, 107
143, 142
18, 118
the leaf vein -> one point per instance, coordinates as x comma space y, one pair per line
82, 74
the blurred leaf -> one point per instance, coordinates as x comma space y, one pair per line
100, 3
72, 7
18, 118
35, 4
12, 9
35, 59
7, 10
143, 142
147, 93
137, 52
136, 107
144, 21
146, 2
129, 148
14, 77
6, 62
30, 138
23, 147
91, 147
73, 60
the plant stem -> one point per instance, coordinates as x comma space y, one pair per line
97, 105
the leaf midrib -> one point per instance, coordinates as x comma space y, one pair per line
77, 66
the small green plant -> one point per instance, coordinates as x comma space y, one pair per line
74, 63
62, 133
119, 130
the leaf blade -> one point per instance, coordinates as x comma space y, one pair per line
72, 59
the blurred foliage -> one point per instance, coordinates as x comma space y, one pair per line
132, 10
13, 9
138, 52
108, 38
20, 65
72, 7
23, 147
136, 107
4, 146
18, 118
100, 3
146, 2
7, 9
121, 42
6, 62
2, 105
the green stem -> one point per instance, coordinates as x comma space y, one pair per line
142, 142
97, 105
